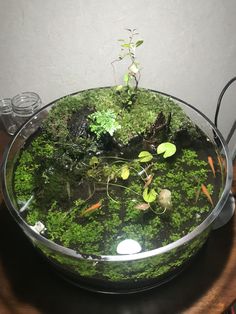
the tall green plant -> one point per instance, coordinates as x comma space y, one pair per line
132, 76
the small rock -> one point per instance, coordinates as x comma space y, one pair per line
38, 227
164, 198
128, 246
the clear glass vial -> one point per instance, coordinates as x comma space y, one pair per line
24, 105
6, 114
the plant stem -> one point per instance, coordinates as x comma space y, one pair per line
115, 157
121, 186
107, 189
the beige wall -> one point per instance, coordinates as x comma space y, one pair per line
55, 47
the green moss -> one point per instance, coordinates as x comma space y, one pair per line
133, 122
58, 222
24, 176
86, 238
33, 216
153, 267
57, 128
61, 227
132, 214
84, 268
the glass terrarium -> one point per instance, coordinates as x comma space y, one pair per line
118, 191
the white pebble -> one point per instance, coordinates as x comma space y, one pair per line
38, 227
128, 246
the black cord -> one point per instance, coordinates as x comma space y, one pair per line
220, 99
231, 132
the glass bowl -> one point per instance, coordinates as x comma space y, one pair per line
129, 263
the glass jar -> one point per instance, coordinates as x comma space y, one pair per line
113, 271
24, 105
6, 114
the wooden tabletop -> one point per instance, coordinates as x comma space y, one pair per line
28, 285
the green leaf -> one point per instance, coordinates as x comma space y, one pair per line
125, 172
126, 78
104, 121
93, 161
119, 87
167, 148
145, 156
126, 45
149, 196
139, 43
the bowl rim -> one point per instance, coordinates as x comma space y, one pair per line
205, 224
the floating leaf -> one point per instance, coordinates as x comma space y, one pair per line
143, 206
139, 43
167, 148
125, 172
145, 156
93, 161
149, 196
